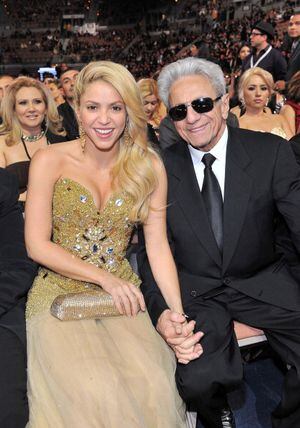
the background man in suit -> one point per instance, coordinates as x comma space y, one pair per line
66, 110
16, 276
220, 216
294, 33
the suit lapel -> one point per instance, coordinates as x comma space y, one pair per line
188, 196
238, 186
295, 53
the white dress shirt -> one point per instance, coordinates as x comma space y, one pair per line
218, 167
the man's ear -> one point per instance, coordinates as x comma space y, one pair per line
225, 106
62, 92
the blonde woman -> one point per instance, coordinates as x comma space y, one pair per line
84, 198
255, 89
154, 109
30, 122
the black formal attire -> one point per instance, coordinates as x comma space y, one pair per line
294, 62
248, 281
273, 62
151, 135
69, 121
16, 276
21, 168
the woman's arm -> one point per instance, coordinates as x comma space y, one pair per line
285, 124
289, 114
157, 246
45, 170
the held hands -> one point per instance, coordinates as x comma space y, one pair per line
179, 335
127, 297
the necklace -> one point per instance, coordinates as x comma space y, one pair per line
33, 138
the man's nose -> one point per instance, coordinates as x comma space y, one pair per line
191, 115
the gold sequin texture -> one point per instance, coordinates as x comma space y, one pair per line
100, 238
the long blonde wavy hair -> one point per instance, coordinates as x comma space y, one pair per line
133, 171
11, 125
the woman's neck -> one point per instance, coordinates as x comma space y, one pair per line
255, 112
32, 131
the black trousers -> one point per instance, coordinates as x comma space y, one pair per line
205, 381
13, 398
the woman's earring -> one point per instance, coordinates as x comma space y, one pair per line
128, 141
82, 135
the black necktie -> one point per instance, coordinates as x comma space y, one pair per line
212, 196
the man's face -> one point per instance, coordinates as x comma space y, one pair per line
294, 26
5, 82
194, 50
257, 39
67, 83
201, 130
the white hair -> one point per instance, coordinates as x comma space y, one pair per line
188, 67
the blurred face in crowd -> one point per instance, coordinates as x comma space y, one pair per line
194, 50
30, 108
201, 130
150, 104
5, 82
48, 81
256, 93
257, 39
67, 81
294, 27
244, 51
102, 113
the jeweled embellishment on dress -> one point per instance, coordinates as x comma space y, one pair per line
97, 237
83, 199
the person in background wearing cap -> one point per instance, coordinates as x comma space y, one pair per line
294, 33
264, 55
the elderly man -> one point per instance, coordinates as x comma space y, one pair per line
294, 33
225, 186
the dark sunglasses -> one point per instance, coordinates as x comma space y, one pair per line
200, 105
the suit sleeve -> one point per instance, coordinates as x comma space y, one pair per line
16, 269
286, 189
280, 67
153, 297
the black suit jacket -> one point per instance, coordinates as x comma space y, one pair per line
69, 121
16, 269
261, 177
294, 63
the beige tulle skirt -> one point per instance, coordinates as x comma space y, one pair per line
113, 373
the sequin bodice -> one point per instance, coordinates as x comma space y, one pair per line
97, 237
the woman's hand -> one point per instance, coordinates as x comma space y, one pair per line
127, 297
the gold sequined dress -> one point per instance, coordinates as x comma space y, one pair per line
109, 373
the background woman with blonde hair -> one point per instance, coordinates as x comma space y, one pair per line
154, 109
84, 198
255, 89
30, 122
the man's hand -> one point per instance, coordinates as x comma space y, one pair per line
178, 333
